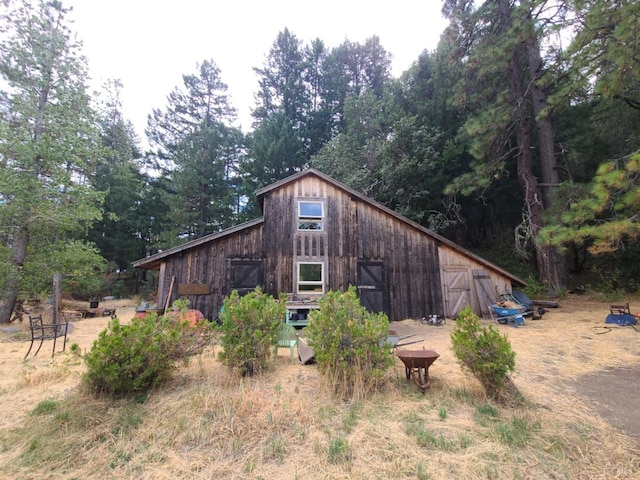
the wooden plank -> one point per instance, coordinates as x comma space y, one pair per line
193, 289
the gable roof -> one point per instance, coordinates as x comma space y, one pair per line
312, 171
154, 260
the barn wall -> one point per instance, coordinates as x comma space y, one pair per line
410, 258
207, 264
453, 260
416, 266
354, 230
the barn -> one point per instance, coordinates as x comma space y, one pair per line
317, 234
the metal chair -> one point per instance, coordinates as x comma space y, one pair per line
47, 331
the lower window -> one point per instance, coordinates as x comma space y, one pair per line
311, 277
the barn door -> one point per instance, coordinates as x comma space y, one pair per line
372, 288
486, 293
456, 290
246, 275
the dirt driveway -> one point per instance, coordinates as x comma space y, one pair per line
613, 394
569, 352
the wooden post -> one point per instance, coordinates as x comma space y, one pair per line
57, 296
168, 300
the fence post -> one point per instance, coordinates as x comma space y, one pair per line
57, 296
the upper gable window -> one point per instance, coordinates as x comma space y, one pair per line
310, 215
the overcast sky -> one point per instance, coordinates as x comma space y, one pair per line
150, 44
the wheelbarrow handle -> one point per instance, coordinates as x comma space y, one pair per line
408, 343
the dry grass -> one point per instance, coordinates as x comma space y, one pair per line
206, 424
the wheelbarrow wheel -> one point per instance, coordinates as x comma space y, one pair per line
503, 321
421, 379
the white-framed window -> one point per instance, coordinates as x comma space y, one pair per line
310, 277
310, 215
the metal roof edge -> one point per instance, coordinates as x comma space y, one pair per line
194, 243
402, 218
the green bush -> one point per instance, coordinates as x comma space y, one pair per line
349, 344
485, 352
132, 358
250, 330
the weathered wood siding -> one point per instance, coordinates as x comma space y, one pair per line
410, 258
409, 265
209, 264
452, 259
353, 230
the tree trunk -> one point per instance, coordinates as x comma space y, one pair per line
546, 135
551, 264
523, 70
11, 287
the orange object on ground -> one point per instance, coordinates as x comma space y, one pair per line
192, 316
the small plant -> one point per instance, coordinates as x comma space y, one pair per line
485, 415
133, 358
425, 438
45, 407
250, 330
485, 352
276, 448
516, 433
349, 344
350, 419
75, 350
487, 410
422, 473
339, 450
442, 413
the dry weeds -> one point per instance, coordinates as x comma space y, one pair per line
205, 424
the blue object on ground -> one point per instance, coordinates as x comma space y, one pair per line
621, 319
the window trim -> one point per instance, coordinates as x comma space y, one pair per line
309, 219
310, 282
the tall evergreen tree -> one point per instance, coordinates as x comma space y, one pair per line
602, 89
198, 151
499, 50
301, 102
281, 81
280, 138
117, 234
322, 121
355, 156
48, 143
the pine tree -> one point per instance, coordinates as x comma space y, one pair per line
49, 143
198, 152
118, 233
503, 85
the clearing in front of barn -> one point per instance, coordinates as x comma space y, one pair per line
207, 424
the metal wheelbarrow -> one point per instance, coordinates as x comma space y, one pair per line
416, 364
507, 315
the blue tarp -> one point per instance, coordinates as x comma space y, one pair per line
621, 319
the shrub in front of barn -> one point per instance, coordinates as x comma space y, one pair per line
486, 353
349, 344
127, 359
250, 330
